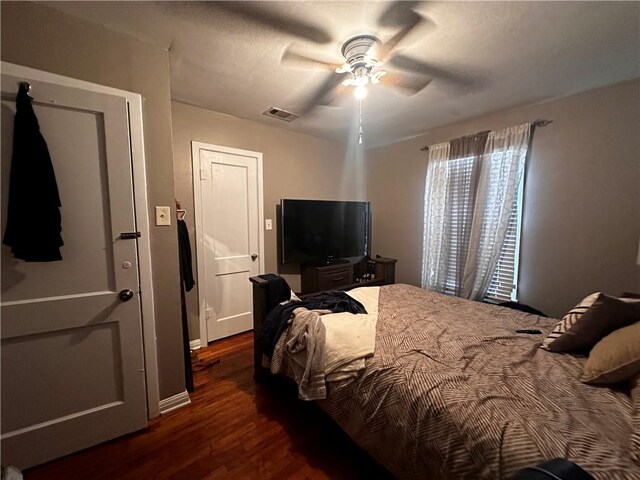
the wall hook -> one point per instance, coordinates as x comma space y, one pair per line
27, 85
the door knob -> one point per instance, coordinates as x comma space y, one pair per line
125, 295
254, 256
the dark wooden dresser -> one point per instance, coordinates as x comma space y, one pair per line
340, 276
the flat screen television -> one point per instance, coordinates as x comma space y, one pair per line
322, 231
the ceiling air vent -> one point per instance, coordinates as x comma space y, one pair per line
281, 114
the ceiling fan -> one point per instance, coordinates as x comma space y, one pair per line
366, 61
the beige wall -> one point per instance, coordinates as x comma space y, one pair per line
295, 166
40, 37
581, 222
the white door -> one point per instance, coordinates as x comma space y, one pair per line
72, 371
228, 191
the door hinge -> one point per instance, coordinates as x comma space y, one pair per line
210, 314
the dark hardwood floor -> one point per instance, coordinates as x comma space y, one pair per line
233, 429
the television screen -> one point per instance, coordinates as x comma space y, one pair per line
316, 231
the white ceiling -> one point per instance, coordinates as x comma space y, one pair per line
484, 56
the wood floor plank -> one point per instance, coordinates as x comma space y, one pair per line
233, 429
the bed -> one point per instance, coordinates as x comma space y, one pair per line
452, 391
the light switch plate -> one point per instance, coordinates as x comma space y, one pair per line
163, 216
268, 225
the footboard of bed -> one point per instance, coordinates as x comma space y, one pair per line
259, 314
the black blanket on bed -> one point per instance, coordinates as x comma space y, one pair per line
276, 320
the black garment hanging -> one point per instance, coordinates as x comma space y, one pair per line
34, 223
186, 267
186, 283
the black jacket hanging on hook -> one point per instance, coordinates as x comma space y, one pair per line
34, 223
186, 267
186, 283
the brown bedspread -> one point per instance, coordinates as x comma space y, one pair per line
453, 392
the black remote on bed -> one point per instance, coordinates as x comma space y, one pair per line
531, 331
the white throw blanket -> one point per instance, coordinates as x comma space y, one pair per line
349, 338
326, 347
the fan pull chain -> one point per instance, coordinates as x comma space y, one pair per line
360, 122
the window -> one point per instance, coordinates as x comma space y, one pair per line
472, 215
503, 285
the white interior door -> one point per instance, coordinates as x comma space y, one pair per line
72, 371
229, 207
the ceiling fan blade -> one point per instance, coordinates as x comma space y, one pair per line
398, 14
333, 96
407, 84
384, 52
450, 77
293, 58
262, 15
326, 93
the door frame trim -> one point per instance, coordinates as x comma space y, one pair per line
134, 101
197, 200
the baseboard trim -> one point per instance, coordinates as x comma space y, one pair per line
176, 401
194, 344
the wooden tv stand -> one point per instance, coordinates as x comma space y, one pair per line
340, 276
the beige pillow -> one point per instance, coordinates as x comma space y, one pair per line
615, 358
604, 316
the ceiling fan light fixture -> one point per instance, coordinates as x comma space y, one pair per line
371, 62
375, 77
360, 92
361, 81
358, 53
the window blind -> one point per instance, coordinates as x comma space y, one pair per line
504, 282
458, 220
503, 285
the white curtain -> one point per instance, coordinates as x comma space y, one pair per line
435, 240
499, 171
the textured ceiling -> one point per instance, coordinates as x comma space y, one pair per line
481, 56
